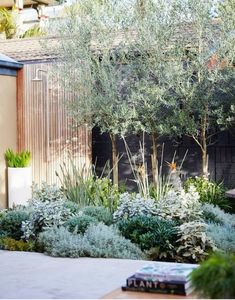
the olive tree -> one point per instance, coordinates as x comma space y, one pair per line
204, 82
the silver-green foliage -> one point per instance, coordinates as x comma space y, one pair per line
223, 236
218, 215
44, 214
108, 242
193, 244
98, 241
100, 213
180, 205
131, 205
47, 192
60, 242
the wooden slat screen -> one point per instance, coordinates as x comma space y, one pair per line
45, 129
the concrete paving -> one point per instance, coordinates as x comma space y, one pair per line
25, 275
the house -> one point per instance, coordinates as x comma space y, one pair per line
35, 115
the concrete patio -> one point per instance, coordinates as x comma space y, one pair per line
25, 275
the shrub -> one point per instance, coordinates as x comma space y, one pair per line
215, 278
98, 241
100, 213
73, 207
44, 214
105, 193
215, 214
11, 222
60, 242
79, 224
180, 206
131, 205
193, 244
7, 243
223, 236
209, 191
82, 186
107, 242
149, 232
47, 192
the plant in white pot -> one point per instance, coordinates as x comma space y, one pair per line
19, 177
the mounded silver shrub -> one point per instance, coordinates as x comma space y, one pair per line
98, 241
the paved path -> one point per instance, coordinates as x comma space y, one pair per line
25, 275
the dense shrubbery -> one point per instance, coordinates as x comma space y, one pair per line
11, 221
101, 213
44, 214
79, 224
8, 243
193, 243
131, 205
209, 191
180, 206
177, 227
150, 232
98, 241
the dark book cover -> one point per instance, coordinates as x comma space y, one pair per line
136, 282
159, 291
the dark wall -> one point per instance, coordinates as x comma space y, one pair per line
221, 156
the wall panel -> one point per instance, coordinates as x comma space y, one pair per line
46, 129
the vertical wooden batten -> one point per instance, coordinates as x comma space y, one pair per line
19, 107
44, 127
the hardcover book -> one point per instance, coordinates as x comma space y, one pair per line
165, 272
159, 291
136, 282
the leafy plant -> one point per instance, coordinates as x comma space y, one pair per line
131, 205
100, 213
215, 214
108, 242
180, 206
150, 232
44, 214
11, 222
98, 241
223, 236
82, 186
73, 207
17, 160
79, 224
193, 243
46, 192
215, 277
209, 191
11, 244
58, 241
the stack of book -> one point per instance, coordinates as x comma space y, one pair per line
162, 277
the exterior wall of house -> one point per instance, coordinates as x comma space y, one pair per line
8, 128
44, 127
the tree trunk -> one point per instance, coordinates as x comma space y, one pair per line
114, 158
205, 173
154, 159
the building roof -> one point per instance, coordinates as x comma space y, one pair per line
9, 63
44, 48
31, 49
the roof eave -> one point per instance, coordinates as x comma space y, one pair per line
11, 65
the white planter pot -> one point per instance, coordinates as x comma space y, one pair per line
19, 186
